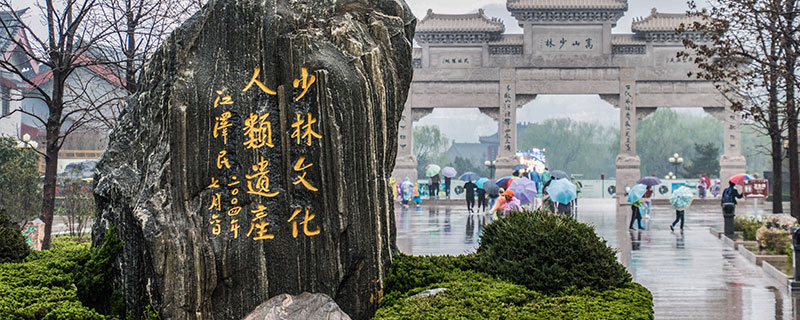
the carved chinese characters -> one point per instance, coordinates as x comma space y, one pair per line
226, 217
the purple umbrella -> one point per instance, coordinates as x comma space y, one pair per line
449, 172
649, 181
524, 190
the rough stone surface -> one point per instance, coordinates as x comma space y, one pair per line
306, 306
431, 292
154, 181
775, 225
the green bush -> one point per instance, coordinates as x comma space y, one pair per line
12, 244
69, 281
748, 226
549, 253
477, 295
775, 242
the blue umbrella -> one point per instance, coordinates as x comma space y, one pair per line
562, 191
524, 190
649, 181
636, 193
480, 182
469, 176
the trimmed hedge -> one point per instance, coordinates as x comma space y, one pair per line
549, 253
476, 295
69, 281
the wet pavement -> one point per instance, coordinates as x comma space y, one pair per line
691, 274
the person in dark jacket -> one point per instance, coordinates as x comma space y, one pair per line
729, 197
447, 187
469, 189
433, 187
481, 199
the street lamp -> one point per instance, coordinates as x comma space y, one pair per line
670, 176
675, 161
492, 166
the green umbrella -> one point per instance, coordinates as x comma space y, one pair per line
432, 170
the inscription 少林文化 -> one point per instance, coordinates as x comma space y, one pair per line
258, 133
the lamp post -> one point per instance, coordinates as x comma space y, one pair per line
670, 176
676, 160
492, 166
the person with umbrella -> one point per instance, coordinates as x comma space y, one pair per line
493, 191
729, 198
635, 199
680, 200
508, 204
469, 189
481, 198
716, 188
448, 173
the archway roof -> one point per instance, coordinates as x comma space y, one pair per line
472, 22
567, 4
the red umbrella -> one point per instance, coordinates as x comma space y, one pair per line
740, 178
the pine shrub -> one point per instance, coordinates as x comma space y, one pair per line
549, 253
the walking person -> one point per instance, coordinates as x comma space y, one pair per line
482, 199
469, 189
636, 214
679, 214
406, 191
492, 198
433, 187
447, 187
646, 201
729, 197
417, 198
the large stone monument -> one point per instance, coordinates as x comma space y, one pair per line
254, 161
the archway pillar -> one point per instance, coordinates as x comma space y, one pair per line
406, 163
507, 117
731, 162
628, 163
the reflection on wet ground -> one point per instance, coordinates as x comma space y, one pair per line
691, 274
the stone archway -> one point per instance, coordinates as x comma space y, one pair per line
468, 61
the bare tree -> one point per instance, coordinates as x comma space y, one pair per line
60, 52
745, 59
77, 205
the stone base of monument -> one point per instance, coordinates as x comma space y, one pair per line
405, 168
307, 306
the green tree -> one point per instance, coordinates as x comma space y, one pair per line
430, 146
463, 165
571, 146
667, 132
19, 183
705, 161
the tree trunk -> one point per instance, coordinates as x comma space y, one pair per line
794, 162
50, 175
776, 150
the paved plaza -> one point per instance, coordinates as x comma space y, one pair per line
692, 275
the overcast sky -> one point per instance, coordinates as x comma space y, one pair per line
466, 125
